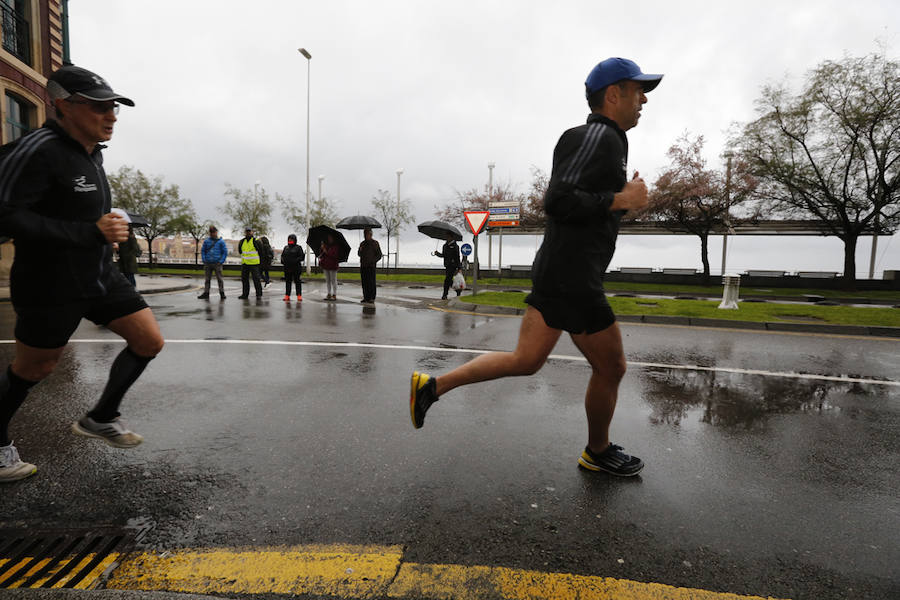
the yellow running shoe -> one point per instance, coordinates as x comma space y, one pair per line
422, 394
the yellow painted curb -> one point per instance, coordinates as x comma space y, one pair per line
371, 572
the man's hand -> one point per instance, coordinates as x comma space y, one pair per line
113, 227
633, 196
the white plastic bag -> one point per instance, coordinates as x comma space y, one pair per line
459, 282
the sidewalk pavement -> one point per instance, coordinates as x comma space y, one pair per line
146, 284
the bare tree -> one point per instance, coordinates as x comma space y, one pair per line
162, 206
393, 216
832, 152
690, 197
249, 208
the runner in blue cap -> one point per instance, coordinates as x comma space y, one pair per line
588, 193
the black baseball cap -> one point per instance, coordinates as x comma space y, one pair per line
69, 80
614, 70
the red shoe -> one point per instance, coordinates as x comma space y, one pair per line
299, 298
287, 298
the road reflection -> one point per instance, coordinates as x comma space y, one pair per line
733, 400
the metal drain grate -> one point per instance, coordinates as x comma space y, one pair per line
61, 558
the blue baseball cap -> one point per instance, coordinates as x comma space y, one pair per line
613, 70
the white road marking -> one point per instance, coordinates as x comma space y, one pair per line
564, 357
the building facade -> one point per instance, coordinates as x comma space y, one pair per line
33, 45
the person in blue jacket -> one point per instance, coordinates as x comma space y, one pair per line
588, 193
213, 253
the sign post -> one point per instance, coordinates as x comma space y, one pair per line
503, 214
476, 219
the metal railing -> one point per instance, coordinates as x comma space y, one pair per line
16, 34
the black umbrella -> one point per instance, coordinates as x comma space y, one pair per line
320, 233
138, 220
439, 230
358, 222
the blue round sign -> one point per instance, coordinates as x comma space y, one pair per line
466, 249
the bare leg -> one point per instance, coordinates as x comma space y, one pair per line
603, 351
536, 341
141, 331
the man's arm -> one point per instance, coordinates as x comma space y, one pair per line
21, 192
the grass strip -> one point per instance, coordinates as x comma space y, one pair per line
759, 312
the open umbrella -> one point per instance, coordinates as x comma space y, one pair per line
439, 230
358, 222
138, 220
319, 234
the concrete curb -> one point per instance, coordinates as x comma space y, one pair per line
855, 330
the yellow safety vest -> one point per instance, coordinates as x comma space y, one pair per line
249, 255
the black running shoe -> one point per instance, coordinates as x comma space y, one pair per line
612, 460
422, 394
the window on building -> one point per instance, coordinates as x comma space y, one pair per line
16, 29
20, 118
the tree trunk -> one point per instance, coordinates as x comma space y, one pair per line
704, 256
850, 261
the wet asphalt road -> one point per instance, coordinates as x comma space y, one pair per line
755, 484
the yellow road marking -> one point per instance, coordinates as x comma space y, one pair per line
371, 572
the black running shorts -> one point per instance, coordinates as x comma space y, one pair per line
574, 316
51, 326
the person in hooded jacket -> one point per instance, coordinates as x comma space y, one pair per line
292, 259
213, 252
266, 256
329, 253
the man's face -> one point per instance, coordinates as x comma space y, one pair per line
91, 121
628, 108
248, 234
213, 233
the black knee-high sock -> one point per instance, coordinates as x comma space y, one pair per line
13, 390
125, 370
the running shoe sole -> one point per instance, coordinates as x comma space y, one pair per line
17, 472
418, 381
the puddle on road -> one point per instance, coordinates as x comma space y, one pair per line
736, 401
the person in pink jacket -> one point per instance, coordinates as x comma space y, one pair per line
328, 260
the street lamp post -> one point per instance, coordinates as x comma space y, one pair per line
397, 251
490, 198
728, 157
321, 179
308, 56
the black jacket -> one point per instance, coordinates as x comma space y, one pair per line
292, 257
589, 165
450, 254
52, 193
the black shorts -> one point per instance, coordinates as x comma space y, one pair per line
52, 326
573, 315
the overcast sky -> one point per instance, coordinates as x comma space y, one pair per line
440, 89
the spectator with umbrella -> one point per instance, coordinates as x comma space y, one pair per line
331, 248
442, 230
369, 252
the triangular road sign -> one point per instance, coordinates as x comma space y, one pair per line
476, 219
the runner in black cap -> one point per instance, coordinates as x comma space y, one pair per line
588, 193
55, 203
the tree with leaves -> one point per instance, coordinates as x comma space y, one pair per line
322, 211
190, 224
249, 208
832, 152
162, 206
691, 197
393, 216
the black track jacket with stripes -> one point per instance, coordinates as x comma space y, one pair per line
52, 193
589, 168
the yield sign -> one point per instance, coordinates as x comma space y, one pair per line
476, 219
